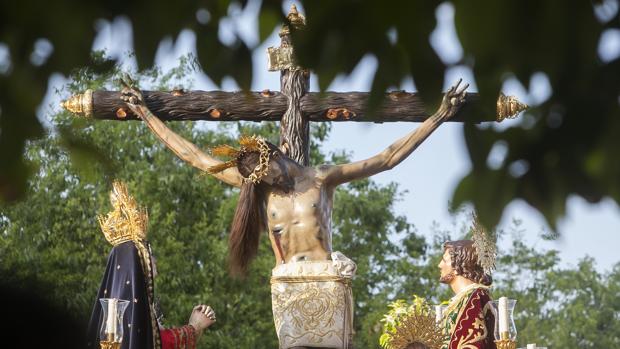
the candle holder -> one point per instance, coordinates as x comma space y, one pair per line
505, 329
111, 332
505, 344
439, 310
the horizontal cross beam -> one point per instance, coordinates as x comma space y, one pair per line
261, 106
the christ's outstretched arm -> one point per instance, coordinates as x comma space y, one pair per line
399, 150
184, 149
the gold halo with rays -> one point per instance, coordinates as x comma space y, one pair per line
416, 328
127, 221
484, 245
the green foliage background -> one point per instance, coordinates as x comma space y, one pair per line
53, 238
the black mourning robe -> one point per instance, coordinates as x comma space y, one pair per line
124, 278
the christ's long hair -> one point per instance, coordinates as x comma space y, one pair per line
250, 217
247, 224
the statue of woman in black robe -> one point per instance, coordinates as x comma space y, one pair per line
129, 276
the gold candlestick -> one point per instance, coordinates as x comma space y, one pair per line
111, 331
505, 332
506, 344
110, 345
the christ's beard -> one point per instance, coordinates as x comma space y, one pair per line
446, 279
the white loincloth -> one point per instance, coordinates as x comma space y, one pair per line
312, 303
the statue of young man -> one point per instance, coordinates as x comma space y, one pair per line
468, 321
294, 204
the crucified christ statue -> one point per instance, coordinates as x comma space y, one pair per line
310, 285
292, 202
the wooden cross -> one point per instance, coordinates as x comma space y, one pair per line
293, 106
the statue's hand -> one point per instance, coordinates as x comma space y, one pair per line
202, 317
131, 95
453, 100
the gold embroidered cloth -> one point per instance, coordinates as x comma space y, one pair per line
469, 321
312, 303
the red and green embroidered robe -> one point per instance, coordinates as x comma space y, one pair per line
178, 337
469, 321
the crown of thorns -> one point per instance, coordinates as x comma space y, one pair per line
248, 144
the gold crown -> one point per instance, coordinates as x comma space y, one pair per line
484, 246
249, 144
127, 221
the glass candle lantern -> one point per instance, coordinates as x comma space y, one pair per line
505, 328
438, 310
111, 332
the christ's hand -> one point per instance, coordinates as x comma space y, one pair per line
184, 149
131, 95
452, 101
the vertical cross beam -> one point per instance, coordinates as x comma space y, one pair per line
294, 84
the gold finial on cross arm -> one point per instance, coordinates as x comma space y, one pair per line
508, 107
80, 104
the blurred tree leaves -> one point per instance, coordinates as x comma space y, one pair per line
558, 306
571, 147
564, 145
70, 29
340, 33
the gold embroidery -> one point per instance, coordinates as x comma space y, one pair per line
477, 332
456, 301
312, 305
145, 260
